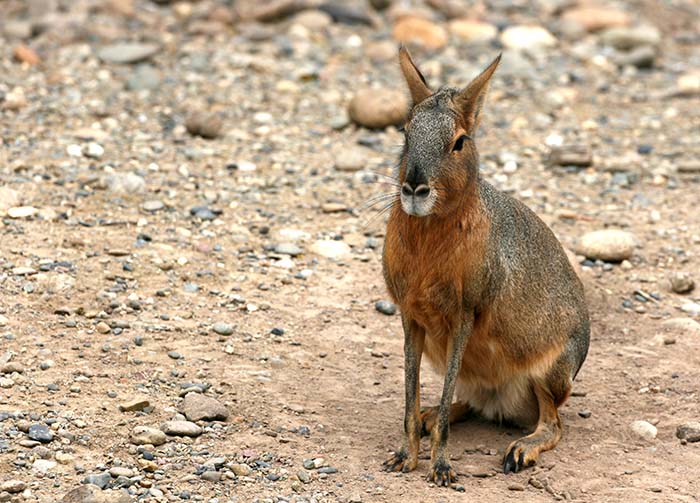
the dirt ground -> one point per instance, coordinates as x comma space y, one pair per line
191, 238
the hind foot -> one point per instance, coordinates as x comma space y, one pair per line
520, 455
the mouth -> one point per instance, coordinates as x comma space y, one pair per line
417, 206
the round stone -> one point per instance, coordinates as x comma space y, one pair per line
222, 328
378, 108
385, 307
610, 245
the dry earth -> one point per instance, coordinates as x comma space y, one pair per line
110, 285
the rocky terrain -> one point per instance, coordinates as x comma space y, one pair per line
192, 202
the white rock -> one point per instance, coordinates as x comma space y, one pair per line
94, 150
610, 245
284, 263
644, 430
525, 37
22, 212
126, 183
682, 326
330, 248
181, 428
74, 150
43, 465
692, 308
246, 166
293, 235
3, 320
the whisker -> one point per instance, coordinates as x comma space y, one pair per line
382, 211
377, 199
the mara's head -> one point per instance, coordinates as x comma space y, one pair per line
439, 159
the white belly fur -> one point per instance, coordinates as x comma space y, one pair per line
514, 401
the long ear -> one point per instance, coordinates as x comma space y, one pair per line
415, 80
470, 101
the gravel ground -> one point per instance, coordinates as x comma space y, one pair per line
191, 300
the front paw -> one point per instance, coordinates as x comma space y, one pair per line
442, 473
398, 462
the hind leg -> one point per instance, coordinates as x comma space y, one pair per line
550, 394
459, 411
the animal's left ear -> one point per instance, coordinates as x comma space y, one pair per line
470, 101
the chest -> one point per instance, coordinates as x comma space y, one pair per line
433, 277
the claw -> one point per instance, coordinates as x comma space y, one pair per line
515, 460
442, 474
509, 464
396, 463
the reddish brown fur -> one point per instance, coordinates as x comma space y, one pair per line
485, 289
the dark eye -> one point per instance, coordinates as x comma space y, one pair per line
460, 143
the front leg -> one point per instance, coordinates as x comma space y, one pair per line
406, 458
441, 472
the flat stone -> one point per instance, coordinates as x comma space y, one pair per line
526, 37
92, 494
470, 30
22, 211
152, 205
13, 486
288, 249
142, 435
313, 19
595, 18
610, 245
692, 308
211, 476
23, 271
181, 428
222, 328
644, 430
100, 480
378, 108
43, 465
351, 159
682, 326
11, 367
121, 471
125, 183
626, 39
198, 407
134, 404
40, 433
241, 470
689, 431
127, 52
641, 57
570, 155
420, 31
330, 248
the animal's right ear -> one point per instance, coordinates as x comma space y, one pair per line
415, 80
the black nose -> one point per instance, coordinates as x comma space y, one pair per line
422, 191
